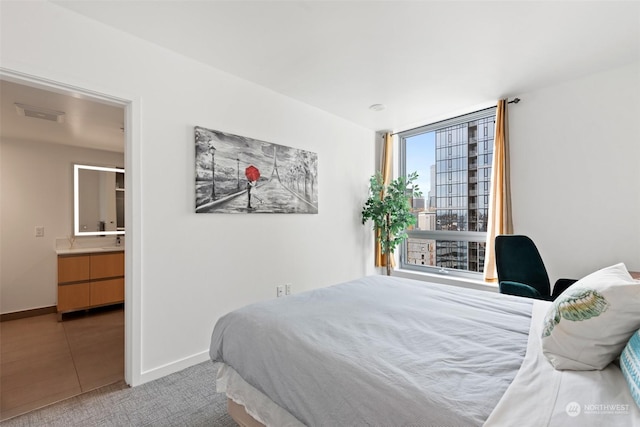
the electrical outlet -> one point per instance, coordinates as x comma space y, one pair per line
39, 231
287, 289
279, 291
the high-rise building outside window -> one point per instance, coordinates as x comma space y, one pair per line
453, 161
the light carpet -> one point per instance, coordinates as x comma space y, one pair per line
186, 398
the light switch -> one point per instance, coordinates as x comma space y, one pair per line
39, 231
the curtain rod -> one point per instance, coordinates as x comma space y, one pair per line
513, 101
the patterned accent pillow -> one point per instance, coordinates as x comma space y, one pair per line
589, 324
630, 366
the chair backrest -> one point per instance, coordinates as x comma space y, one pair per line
518, 260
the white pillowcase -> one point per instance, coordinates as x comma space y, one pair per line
589, 324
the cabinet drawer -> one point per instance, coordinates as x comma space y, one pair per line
73, 268
107, 292
107, 265
72, 297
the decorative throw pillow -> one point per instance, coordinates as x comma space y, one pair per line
589, 324
630, 366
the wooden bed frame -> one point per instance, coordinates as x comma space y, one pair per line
240, 415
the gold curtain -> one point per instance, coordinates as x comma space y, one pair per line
500, 220
386, 171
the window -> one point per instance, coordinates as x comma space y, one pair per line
453, 161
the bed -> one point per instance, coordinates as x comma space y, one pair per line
389, 351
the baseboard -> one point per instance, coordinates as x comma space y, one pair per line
28, 313
173, 367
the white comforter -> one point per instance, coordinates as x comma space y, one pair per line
378, 351
385, 351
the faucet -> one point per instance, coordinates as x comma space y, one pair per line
118, 241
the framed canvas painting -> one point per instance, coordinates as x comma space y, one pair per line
236, 174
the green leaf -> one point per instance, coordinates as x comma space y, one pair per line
389, 209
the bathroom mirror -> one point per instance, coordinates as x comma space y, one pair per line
98, 200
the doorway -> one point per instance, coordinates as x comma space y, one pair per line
80, 326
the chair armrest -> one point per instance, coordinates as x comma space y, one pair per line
519, 289
561, 286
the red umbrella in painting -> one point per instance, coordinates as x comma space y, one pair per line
252, 173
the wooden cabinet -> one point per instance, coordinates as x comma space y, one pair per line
73, 296
90, 280
73, 268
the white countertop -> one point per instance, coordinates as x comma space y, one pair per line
88, 245
79, 251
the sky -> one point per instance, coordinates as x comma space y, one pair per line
420, 155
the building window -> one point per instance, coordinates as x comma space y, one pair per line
454, 175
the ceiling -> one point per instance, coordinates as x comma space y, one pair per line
424, 60
86, 123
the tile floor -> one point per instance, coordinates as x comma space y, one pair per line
43, 361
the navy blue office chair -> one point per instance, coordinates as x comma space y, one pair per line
521, 270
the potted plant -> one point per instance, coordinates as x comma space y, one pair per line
389, 209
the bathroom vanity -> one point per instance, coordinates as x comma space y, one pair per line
89, 278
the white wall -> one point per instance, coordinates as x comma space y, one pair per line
575, 175
188, 270
37, 190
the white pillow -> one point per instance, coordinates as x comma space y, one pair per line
589, 324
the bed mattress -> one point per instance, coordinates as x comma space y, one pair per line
378, 351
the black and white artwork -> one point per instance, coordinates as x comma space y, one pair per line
236, 174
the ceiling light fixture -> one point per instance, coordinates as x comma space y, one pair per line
377, 107
40, 113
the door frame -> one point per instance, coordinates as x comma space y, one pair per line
133, 247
